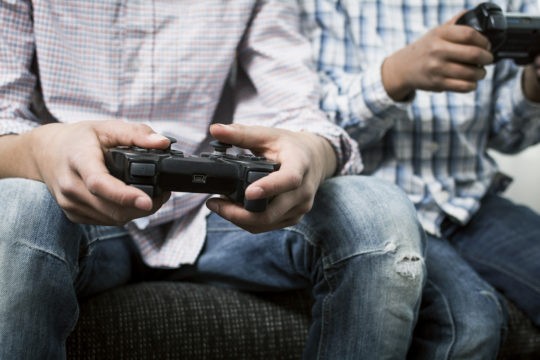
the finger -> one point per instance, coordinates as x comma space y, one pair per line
465, 34
84, 207
289, 177
470, 73
115, 132
461, 86
97, 179
252, 222
467, 54
247, 137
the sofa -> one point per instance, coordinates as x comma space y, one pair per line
175, 320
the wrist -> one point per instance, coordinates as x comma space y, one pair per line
17, 156
327, 155
396, 87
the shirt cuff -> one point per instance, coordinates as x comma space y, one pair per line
16, 126
375, 96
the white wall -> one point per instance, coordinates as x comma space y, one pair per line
525, 169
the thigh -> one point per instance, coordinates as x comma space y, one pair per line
108, 258
232, 257
502, 242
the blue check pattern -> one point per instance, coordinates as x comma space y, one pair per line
435, 145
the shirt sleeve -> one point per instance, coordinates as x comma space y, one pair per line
277, 84
516, 120
16, 79
353, 94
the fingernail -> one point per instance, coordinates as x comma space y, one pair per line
254, 193
213, 206
143, 203
157, 137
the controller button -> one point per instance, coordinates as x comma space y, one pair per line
142, 169
255, 175
177, 153
245, 156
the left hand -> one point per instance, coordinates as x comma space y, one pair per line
306, 161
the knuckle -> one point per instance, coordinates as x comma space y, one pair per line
67, 186
295, 179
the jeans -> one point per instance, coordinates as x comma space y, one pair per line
360, 252
46, 263
461, 315
502, 243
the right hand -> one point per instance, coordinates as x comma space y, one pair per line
306, 161
69, 159
449, 57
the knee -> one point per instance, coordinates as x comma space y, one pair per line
31, 218
482, 326
368, 217
371, 215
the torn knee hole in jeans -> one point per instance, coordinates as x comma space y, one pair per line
408, 265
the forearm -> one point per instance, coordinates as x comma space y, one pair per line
516, 119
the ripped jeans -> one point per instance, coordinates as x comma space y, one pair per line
359, 251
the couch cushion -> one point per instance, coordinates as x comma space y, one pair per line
173, 320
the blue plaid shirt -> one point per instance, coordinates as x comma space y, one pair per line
434, 146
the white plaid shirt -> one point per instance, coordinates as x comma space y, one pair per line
163, 63
433, 147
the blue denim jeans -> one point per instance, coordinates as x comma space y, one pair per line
461, 315
360, 251
502, 243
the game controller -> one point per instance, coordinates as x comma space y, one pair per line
155, 171
512, 35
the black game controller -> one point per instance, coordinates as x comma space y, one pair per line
512, 35
156, 171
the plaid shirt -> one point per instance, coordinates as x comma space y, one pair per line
434, 146
165, 64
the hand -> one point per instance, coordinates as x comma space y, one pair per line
448, 58
69, 158
531, 80
306, 161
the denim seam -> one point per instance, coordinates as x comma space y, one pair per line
324, 313
30, 246
452, 344
327, 262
